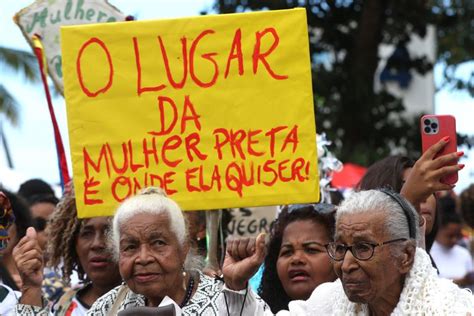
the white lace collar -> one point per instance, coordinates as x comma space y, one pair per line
424, 293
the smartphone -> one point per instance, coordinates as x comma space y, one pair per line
433, 129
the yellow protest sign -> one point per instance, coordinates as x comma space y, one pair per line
217, 110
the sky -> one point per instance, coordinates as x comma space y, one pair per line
32, 141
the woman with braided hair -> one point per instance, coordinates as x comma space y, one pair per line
74, 245
62, 231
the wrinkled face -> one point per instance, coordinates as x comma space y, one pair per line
427, 208
151, 258
303, 263
449, 235
372, 280
91, 249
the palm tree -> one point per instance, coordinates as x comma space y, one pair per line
24, 63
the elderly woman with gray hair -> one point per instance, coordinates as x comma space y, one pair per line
380, 269
150, 243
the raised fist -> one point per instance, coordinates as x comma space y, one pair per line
28, 257
242, 260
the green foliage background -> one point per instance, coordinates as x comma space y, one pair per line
344, 39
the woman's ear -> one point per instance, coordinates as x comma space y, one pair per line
408, 257
201, 234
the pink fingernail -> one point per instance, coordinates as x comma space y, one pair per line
446, 139
460, 153
461, 166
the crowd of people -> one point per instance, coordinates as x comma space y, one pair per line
396, 246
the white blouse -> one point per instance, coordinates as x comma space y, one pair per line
424, 293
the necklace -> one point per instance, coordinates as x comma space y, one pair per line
189, 292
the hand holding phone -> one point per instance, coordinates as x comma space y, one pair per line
435, 128
425, 177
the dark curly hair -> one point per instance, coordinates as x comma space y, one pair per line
270, 289
62, 231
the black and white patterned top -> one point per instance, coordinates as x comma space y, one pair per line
206, 301
203, 302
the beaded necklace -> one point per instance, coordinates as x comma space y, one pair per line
189, 292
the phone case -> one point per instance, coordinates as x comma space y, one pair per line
433, 129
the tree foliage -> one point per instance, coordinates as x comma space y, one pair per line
18, 61
344, 40
455, 29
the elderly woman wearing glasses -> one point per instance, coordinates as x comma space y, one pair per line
380, 269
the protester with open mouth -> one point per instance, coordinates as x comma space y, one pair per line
297, 261
380, 268
74, 246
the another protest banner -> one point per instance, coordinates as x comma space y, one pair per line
251, 221
44, 18
217, 110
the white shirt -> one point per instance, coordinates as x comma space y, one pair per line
424, 293
453, 263
76, 308
8, 302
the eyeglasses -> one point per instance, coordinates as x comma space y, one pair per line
361, 250
321, 208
